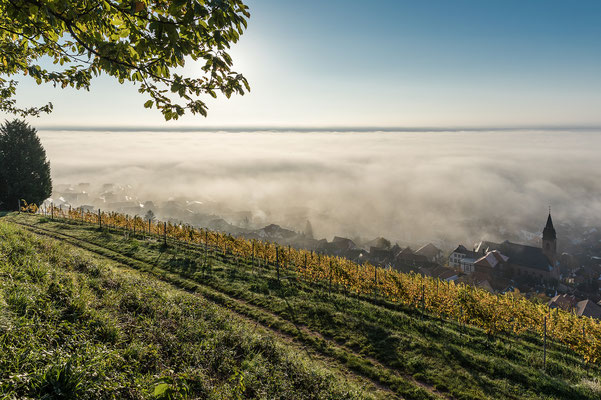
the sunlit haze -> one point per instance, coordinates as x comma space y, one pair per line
412, 187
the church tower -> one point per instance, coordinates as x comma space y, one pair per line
550, 241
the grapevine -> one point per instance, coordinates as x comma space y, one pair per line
507, 313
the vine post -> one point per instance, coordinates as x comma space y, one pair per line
277, 261
375, 282
583, 341
330, 277
545, 343
252, 261
461, 320
423, 299
305, 268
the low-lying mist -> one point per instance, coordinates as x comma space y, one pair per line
444, 187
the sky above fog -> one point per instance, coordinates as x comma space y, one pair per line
386, 63
408, 186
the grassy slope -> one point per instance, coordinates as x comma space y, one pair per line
75, 325
390, 345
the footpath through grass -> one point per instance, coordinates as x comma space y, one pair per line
78, 326
415, 356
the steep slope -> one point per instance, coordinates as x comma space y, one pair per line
405, 352
77, 325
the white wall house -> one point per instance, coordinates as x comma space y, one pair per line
467, 265
455, 259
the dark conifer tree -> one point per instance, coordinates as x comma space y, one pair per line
24, 170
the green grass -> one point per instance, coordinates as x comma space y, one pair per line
77, 326
415, 356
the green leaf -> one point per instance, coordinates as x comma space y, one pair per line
160, 389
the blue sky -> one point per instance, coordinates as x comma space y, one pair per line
387, 63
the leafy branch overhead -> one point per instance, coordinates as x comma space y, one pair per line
142, 41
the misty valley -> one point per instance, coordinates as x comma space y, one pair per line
300, 200
442, 189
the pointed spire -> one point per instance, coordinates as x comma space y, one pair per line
549, 231
549, 220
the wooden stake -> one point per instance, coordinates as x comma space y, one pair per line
423, 298
330, 289
305, 268
545, 344
375, 282
277, 261
461, 321
583, 339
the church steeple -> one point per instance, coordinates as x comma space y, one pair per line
549, 231
550, 240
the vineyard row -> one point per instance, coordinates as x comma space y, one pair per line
494, 313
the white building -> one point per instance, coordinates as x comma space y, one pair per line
467, 264
460, 253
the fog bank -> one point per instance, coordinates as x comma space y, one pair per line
412, 187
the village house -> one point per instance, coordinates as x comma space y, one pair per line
338, 246
509, 260
524, 261
408, 257
380, 256
460, 253
357, 255
73, 196
432, 253
467, 265
485, 272
528, 261
492, 261
564, 301
478, 279
588, 308
569, 303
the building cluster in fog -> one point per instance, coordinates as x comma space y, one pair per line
499, 267
495, 266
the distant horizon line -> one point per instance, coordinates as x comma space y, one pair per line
332, 128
